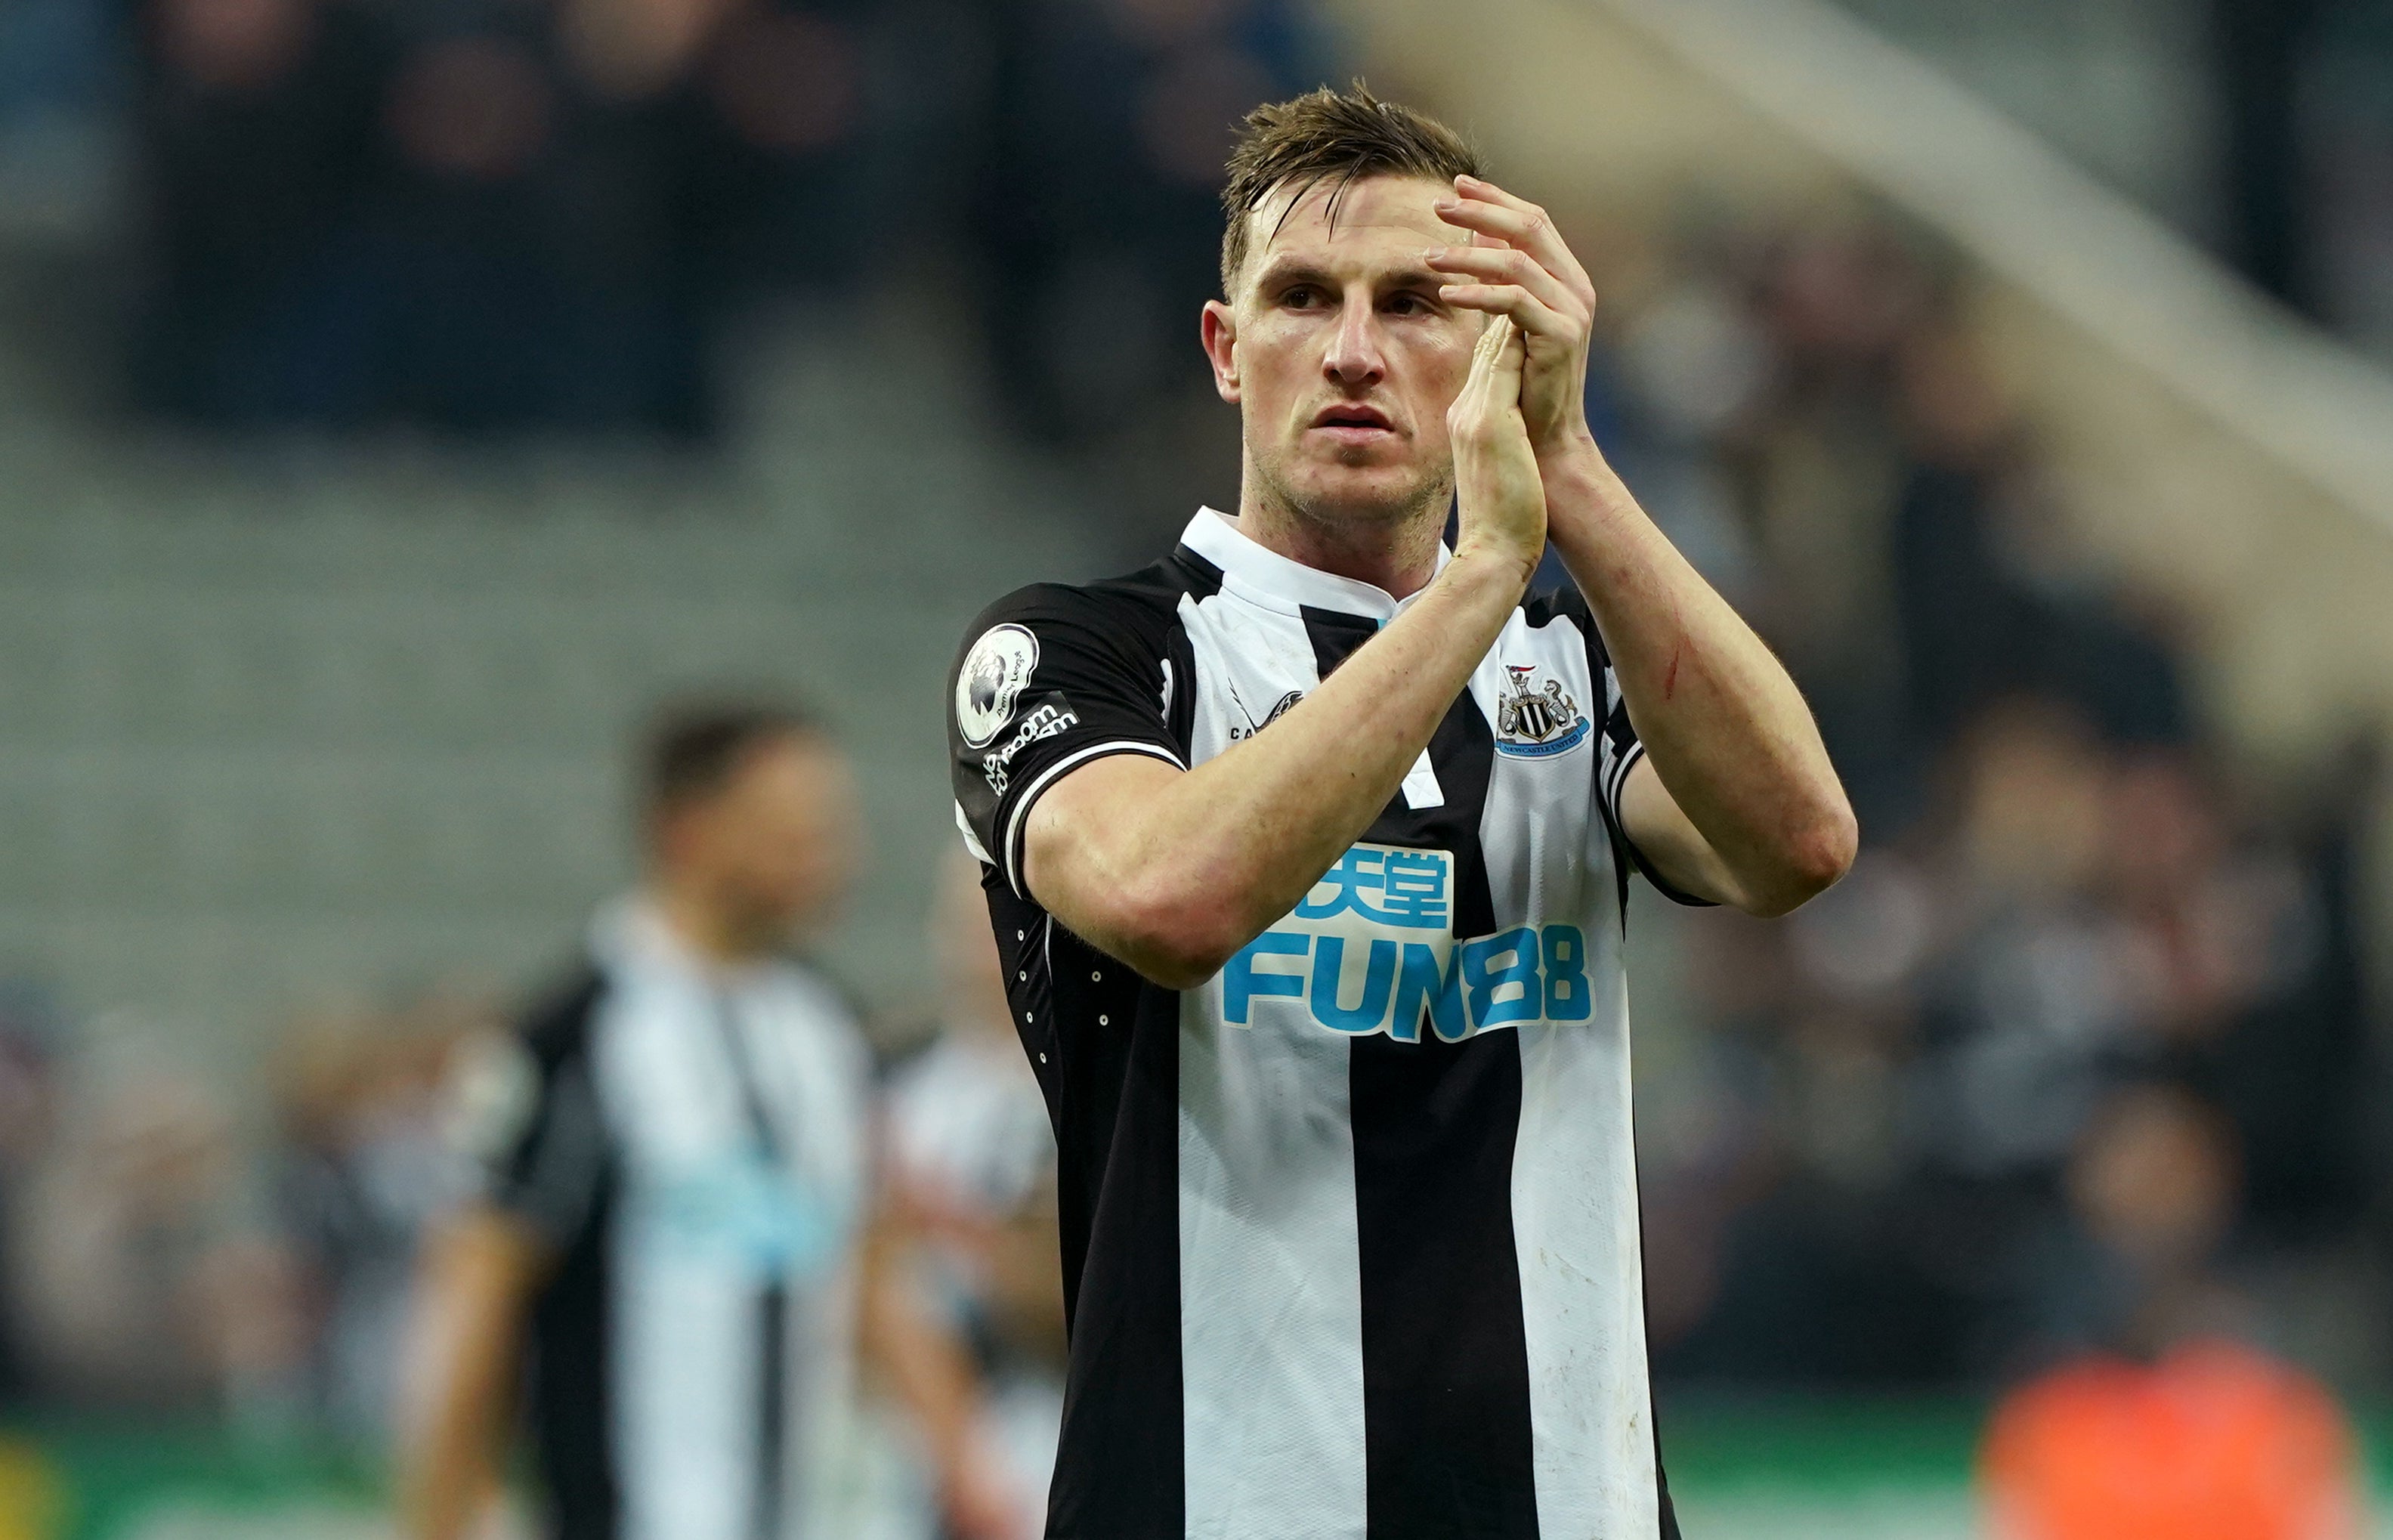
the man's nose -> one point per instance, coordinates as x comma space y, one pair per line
1355, 357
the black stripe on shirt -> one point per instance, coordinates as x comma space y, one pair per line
1447, 1445
572, 1391
1107, 1051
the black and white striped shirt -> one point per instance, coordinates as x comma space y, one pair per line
691, 1142
1351, 1233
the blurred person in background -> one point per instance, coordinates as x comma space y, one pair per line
364, 1171
146, 1279
257, 119
29, 1093
2150, 1197
1095, 206
678, 1237
972, 1158
481, 216
2163, 1426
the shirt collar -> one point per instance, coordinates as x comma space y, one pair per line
1255, 572
631, 933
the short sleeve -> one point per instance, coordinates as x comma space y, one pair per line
1617, 748
1050, 678
525, 1117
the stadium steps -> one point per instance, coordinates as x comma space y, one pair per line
286, 726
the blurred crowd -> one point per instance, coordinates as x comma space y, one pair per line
489, 216
161, 1258
2076, 1057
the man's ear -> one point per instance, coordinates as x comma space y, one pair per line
1221, 333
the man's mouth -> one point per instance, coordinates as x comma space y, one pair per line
1353, 421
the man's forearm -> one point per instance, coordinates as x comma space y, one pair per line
463, 1349
1210, 857
448, 1467
924, 1364
1727, 730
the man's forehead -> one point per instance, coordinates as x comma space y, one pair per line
1327, 217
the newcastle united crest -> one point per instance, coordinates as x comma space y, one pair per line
1532, 722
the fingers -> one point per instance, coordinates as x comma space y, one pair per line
1505, 265
1496, 365
1487, 210
1560, 312
1511, 359
1495, 339
1482, 354
1498, 490
1481, 188
1475, 384
1520, 307
1473, 396
1483, 199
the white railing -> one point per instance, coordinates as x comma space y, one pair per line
2015, 205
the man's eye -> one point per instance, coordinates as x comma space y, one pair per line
1299, 298
1405, 304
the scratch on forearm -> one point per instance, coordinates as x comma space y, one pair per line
1670, 676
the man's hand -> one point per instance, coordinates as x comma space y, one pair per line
1735, 801
982, 1502
1519, 267
1500, 496
927, 1364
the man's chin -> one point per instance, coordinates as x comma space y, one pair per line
1373, 492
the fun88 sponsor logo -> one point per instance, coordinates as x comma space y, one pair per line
1371, 948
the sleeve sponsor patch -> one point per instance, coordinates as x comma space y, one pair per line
1045, 722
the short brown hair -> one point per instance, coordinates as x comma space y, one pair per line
695, 747
1327, 134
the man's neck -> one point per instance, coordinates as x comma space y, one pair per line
1397, 555
701, 927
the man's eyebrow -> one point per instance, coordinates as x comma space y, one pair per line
1290, 269
1281, 271
1417, 278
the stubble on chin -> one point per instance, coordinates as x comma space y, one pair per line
1343, 503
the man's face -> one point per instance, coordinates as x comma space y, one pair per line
1339, 353
776, 845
